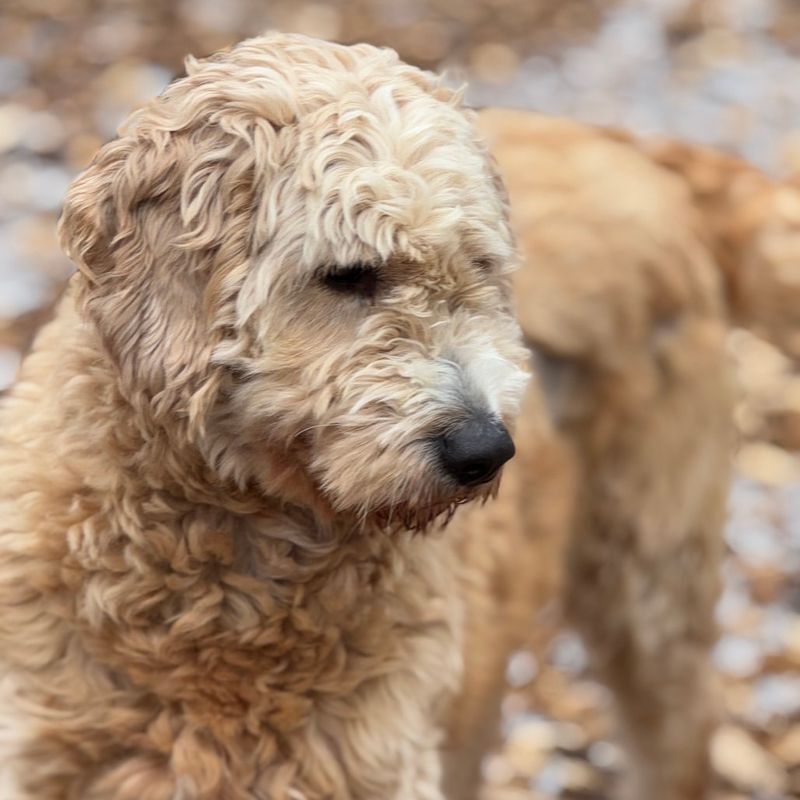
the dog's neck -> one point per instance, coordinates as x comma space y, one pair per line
156, 462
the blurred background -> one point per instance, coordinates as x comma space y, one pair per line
720, 72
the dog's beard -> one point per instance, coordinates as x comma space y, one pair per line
426, 515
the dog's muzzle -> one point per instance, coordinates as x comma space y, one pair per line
473, 452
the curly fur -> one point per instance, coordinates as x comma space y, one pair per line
219, 577
213, 465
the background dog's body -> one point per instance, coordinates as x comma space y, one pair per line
637, 257
623, 309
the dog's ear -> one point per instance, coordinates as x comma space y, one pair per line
158, 226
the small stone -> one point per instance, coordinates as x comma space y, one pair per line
790, 153
427, 42
33, 183
14, 74
570, 737
787, 747
768, 464
509, 793
759, 365
497, 770
210, 15
568, 652
776, 696
529, 744
784, 428
792, 641
113, 38
514, 706
9, 364
739, 656
521, 669
494, 62
741, 761
738, 695
316, 19
45, 133
13, 125
23, 291
565, 775
766, 582
606, 756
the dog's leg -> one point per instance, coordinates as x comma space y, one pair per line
643, 563
648, 623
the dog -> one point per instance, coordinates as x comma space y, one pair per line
289, 352
639, 255
751, 225
288, 355
624, 449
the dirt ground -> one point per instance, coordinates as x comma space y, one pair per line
722, 72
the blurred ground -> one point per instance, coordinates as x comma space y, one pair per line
722, 72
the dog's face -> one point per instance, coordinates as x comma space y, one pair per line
298, 255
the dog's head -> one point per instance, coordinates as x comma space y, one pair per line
297, 257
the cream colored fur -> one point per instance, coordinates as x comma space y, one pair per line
218, 574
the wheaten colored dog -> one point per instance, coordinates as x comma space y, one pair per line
288, 348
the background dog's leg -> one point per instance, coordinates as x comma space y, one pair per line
648, 624
643, 565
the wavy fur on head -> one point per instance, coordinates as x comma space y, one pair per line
213, 458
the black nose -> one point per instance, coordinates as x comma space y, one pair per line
473, 452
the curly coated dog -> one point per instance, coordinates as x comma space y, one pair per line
288, 355
289, 349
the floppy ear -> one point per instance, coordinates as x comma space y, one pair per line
159, 228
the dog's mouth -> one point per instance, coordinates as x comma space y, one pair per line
437, 513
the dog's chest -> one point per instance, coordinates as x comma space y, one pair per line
259, 626
340, 655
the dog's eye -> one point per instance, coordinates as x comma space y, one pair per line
483, 264
359, 279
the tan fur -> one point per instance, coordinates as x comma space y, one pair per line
214, 466
624, 307
752, 227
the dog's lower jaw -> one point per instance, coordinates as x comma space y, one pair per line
163, 648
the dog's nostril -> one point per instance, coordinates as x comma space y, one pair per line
475, 451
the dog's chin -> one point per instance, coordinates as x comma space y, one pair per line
433, 512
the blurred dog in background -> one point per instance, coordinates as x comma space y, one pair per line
637, 256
